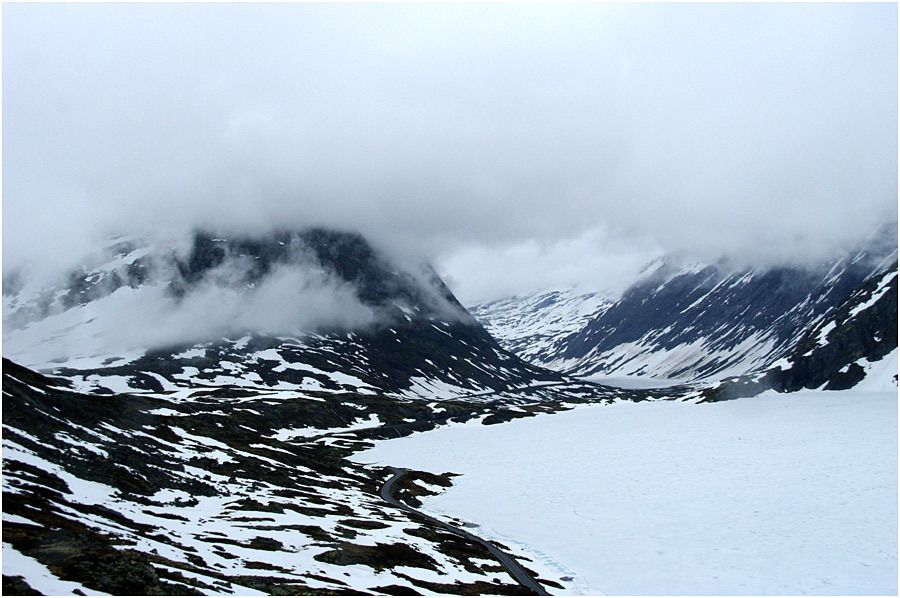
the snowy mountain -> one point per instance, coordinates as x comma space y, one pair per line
311, 310
854, 346
699, 322
533, 326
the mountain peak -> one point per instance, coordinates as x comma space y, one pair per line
248, 310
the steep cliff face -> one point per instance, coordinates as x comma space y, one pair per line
862, 330
855, 340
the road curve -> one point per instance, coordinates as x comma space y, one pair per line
513, 566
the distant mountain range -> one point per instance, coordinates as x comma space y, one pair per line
703, 322
533, 326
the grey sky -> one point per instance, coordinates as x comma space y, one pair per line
489, 138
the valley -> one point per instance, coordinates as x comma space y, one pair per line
247, 460
449, 299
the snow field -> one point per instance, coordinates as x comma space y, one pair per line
777, 494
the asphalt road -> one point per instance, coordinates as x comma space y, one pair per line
513, 566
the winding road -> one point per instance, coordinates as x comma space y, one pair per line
515, 569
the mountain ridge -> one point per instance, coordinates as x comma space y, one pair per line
699, 322
409, 335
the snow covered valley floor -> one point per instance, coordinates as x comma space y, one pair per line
777, 494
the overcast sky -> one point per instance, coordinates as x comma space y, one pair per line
518, 147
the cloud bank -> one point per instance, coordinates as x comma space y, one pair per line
292, 299
461, 133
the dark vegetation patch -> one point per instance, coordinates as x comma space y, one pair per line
506, 416
457, 547
551, 583
251, 519
265, 566
363, 523
218, 550
286, 586
15, 585
261, 543
345, 532
395, 590
409, 492
166, 515
379, 557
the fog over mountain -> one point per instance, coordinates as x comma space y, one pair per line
515, 146
246, 246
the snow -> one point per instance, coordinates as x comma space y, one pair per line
822, 337
530, 326
881, 376
776, 494
10, 518
703, 358
430, 388
191, 353
77, 337
38, 576
883, 287
165, 411
289, 434
117, 384
79, 445
88, 492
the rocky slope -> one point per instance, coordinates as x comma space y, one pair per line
700, 322
225, 493
311, 310
234, 491
839, 352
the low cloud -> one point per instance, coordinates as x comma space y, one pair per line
291, 300
592, 261
498, 134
